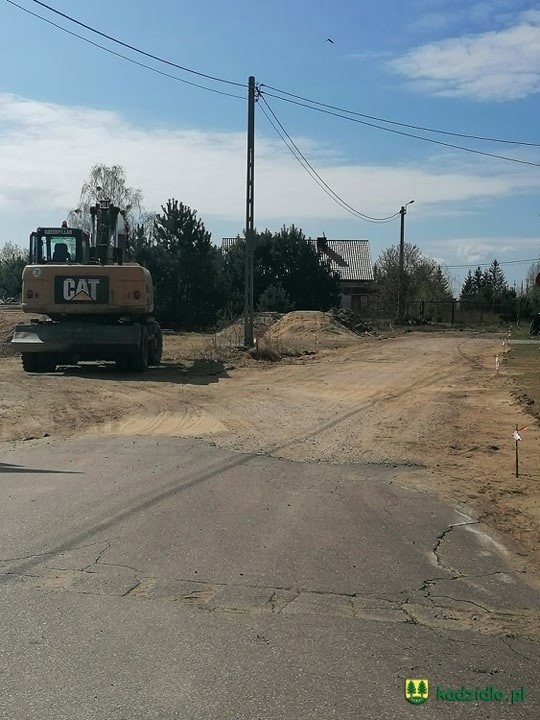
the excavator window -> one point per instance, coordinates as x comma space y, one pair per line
62, 249
61, 253
46, 246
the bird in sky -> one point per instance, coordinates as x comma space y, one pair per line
329, 40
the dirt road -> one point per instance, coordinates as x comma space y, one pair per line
430, 402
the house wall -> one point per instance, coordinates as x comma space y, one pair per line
355, 296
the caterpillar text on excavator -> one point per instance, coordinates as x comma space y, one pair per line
98, 306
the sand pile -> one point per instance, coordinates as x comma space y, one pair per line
8, 320
309, 330
234, 333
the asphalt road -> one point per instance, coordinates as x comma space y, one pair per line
164, 578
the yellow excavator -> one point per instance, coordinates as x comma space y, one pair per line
98, 306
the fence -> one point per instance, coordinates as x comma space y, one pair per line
450, 312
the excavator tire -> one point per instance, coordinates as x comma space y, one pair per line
155, 347
139, 359
135, 360
38, 362
123, 363
29, 362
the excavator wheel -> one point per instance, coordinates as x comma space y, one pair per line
123, 363
136, 360
155, 347
139, 359
38, 362
29, 362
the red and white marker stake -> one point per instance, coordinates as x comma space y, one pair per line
517, 438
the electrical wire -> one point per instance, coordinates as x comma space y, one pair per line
124, 57
304, 162
136, 49
293, 148
401, 124
501, 262
314, 104
403, 133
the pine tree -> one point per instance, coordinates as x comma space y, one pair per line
422, 689
442, 283
288, 263
186, 268
479, 280
496, 280
411, 688
468, 289
275, 299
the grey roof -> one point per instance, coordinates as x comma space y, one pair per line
351, 259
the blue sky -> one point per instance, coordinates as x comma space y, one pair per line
470, 67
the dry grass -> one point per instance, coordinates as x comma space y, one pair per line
523, 365
269, 349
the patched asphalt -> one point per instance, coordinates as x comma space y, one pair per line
168, 578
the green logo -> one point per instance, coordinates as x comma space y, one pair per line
416, 691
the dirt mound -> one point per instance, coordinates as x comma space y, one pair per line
9, 317
309, 330
8, 320
261, 322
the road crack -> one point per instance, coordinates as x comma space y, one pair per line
439, 541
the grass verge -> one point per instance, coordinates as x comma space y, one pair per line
523, 365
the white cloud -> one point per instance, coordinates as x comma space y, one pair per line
483, 249
47, 150
497, 65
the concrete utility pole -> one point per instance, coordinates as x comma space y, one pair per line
250, 199
401, 278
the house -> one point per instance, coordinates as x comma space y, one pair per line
350, 259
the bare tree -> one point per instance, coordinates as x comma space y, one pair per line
423, 277
12, 261
107, 183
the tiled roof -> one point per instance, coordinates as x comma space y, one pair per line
351, 259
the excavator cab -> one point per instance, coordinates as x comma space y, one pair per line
59, 246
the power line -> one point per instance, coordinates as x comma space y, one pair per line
314, 104
501, 262
136, 49
123, 57
300, 157
402, 124
308, 169
403, 133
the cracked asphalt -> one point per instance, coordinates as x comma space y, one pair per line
168, 578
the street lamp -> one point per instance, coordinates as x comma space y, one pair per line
401, 278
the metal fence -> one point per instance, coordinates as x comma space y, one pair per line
448, 312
